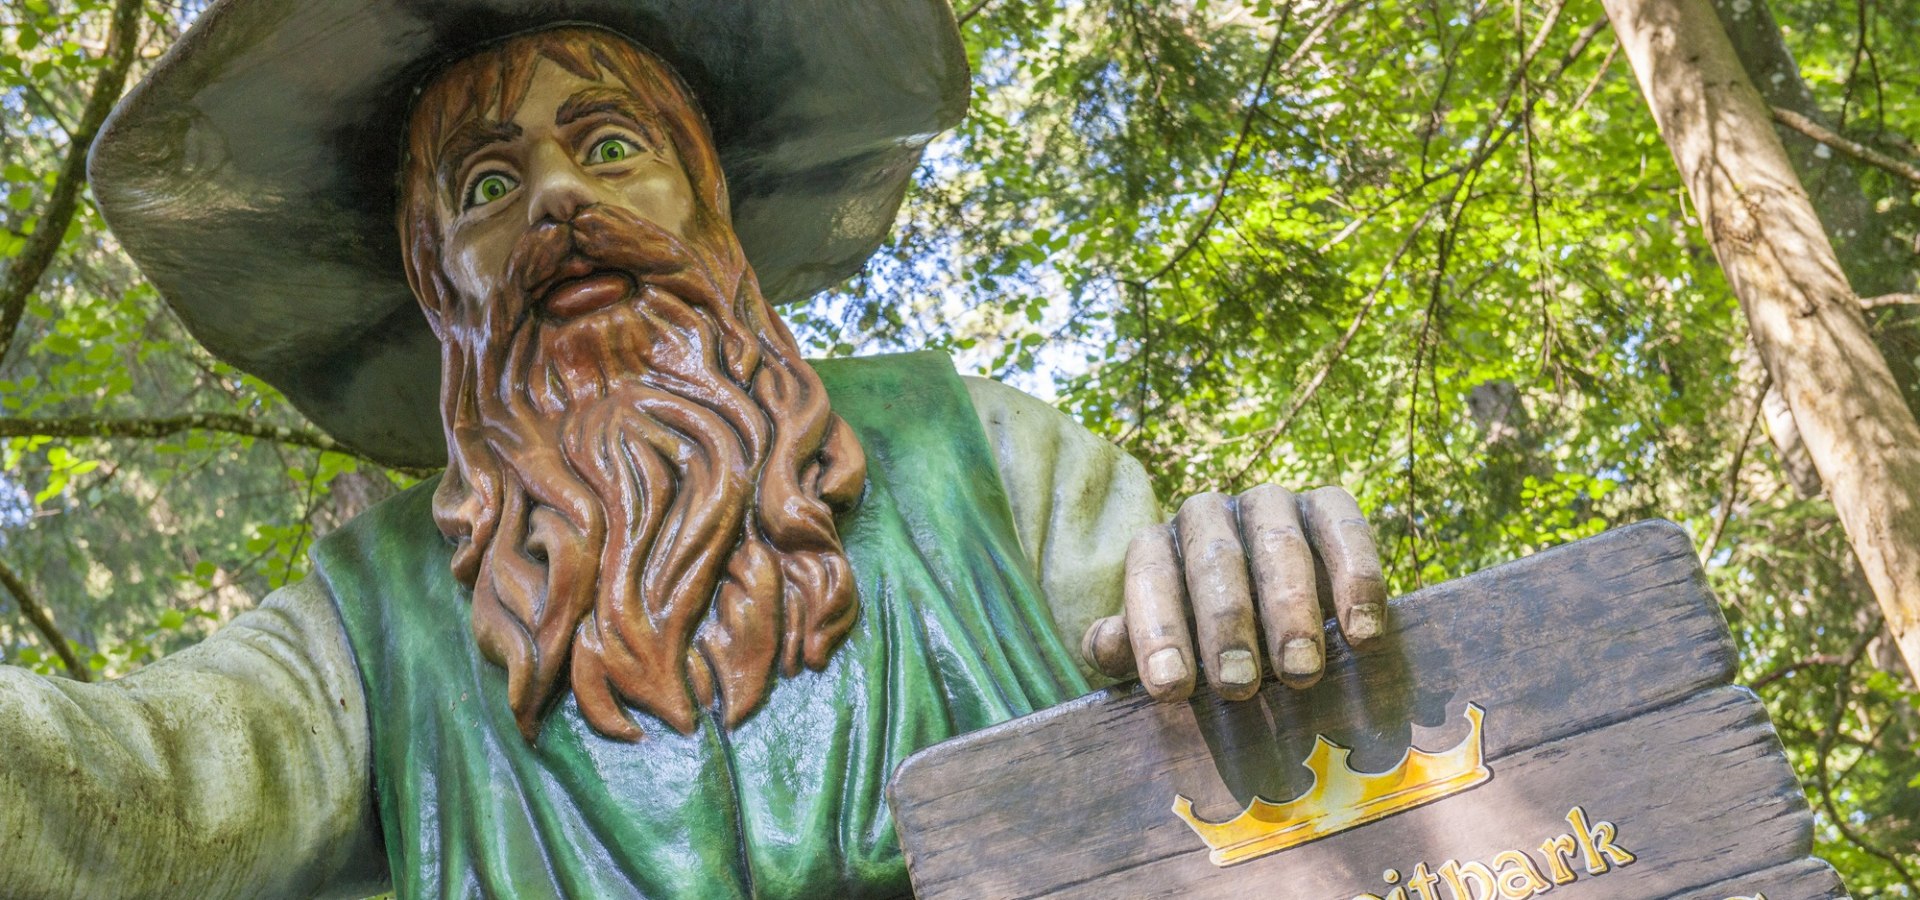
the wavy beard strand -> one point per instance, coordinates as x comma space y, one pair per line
645, 498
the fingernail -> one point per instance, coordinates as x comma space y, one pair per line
1363, 623
1301, 656
1236, 667
1166, 666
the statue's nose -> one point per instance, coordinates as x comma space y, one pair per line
557, 187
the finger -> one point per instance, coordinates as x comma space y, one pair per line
1221, 593
1157, 616
1342, 538
1107, 649
1284, 582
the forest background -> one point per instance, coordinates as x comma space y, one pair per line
1431, 250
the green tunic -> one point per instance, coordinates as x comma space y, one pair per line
953, 635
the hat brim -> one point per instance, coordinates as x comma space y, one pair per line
252, 174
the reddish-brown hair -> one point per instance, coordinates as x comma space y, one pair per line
644, 500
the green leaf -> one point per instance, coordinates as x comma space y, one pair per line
56, 484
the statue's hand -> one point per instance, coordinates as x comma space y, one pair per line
1229, 579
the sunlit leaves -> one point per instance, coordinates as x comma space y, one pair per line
1497, 351
120, 535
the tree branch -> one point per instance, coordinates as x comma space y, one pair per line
1733, 471
1782, 671
1855, 149
1246, 131
1490, 141
1800, 308
153, 429
220, 423
1824, 777
1885, 300
54, 112
1306, 392
1498, 128
1846, 660
24, 275
43, 622
1606, 63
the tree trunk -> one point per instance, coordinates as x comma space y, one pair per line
1805, 318
1874, 258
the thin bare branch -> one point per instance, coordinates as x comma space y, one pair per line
1599, 76
1897, 167
1823, 777
24, 275
1334, 354
153, 429
1498, 129
43, 623
1732, 491
1781, 671
51, 109
1234, 160
1890, 300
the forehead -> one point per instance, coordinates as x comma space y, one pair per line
522, 94
495, 82
550, 88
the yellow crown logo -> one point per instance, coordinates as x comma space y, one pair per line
1341, 798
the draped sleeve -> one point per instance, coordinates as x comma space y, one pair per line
235, 768
1077, 501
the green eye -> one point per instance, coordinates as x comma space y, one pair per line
490, 187
611, 150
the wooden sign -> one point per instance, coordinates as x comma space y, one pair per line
1562, 724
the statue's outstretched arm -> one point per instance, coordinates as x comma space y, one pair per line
236, 768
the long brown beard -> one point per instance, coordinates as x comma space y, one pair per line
644, 496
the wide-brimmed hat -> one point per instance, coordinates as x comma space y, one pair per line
252, 175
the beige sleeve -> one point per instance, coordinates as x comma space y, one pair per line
236, 768
1077, 502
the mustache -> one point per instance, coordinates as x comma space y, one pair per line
598, 238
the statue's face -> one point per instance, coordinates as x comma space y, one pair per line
573, 143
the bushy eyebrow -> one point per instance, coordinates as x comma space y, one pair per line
471, 137
596, 100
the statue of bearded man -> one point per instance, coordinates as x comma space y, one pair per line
681, 600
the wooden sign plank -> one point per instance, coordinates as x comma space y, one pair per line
1602, 670
1810, 879
1615, 775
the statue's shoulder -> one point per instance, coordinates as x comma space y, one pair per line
884, 372
405, 509
401, 525
882, 395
